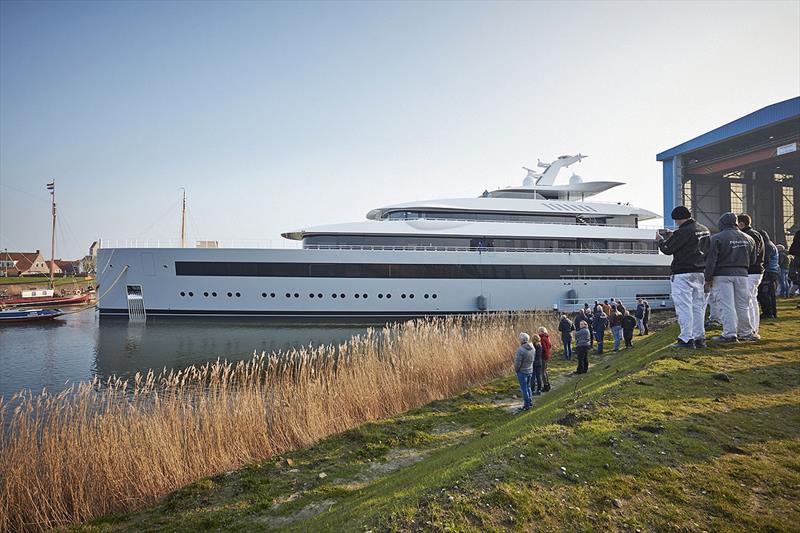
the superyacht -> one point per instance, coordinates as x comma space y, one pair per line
540, 245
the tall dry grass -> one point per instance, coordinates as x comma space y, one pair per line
117, 446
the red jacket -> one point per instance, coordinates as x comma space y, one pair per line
546, 346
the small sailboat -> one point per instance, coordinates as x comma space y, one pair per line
47, 297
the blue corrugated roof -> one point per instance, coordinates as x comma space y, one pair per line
758, 119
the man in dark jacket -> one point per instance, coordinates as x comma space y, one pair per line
755, 271
640, 316
628, 323
599, 325
566, 327
729, 255
687, 246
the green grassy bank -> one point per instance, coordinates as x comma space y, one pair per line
42, 280
652, 438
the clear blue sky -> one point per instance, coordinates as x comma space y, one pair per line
276, 115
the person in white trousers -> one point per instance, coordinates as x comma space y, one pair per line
687, 245
755, 271
730, 253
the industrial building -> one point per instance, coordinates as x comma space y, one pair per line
750, 165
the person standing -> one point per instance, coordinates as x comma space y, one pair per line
615, 321
606, 307
640, 316
687, 246
582, 342
523, 366
566, 327
756, 269
536, 380
628, 323
547, 353
730, 253
646, 319
599, 325
783, 266
769, 283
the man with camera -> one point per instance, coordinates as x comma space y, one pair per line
687, 246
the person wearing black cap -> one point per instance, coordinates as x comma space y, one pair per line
687, 246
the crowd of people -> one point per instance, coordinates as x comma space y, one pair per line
589, 327
735, 276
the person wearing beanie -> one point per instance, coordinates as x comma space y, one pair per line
730, 253
687, 246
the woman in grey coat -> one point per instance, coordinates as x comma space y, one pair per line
582, 343
523, 366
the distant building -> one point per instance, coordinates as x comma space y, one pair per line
68, 268
24, 264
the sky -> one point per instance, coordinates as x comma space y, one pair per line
277, 116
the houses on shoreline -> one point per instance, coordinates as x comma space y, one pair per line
21, 264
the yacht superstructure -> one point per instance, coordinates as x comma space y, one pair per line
536, 246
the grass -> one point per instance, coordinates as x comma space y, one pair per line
40, 280
652, 438
118, 446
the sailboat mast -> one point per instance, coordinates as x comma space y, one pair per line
183, 220
52, 188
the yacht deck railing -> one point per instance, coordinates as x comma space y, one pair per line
296, 245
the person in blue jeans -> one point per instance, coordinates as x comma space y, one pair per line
615, 321
599, 325
566, 327
523, 366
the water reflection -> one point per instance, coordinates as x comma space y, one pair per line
124, 348
54, 354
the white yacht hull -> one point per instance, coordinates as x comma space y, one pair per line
160, 279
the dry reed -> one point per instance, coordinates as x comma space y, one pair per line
118, 446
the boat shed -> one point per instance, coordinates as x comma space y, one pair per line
750, 165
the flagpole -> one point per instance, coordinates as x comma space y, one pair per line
52, 188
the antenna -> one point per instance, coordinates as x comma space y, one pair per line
183, 219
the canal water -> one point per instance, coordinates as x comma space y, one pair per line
79, 346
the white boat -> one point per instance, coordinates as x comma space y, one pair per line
536, 246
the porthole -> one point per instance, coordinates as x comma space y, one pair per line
288, 295
272, 295
403, 296
433, 296
191, 293
365, 295
238, 294
411, 296
426, 296
388, 295
310, 294
183, 293
230, 294
205, 294
380, 296
341, 295
319, 295
165, 266
296, 295
263, 294
358, 295
214, 294
333, 295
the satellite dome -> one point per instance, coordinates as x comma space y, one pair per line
575, 179
527, 182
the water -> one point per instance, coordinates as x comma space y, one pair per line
77, 347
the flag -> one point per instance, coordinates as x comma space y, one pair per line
51, 186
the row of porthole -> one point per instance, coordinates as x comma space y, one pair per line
213, 294
312, 295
